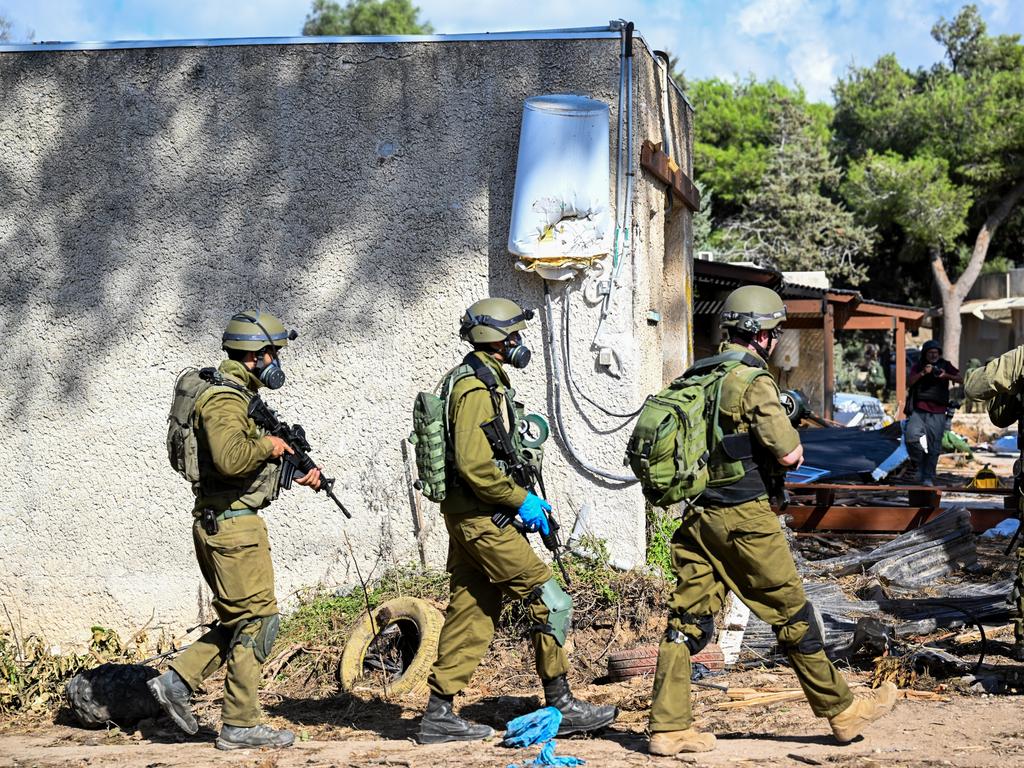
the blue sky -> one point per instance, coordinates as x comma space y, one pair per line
809, 42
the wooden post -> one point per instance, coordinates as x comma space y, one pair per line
901, 367
829, 327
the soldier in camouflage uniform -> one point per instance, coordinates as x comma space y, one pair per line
734, 542
1000, 384
238, 470
488, 563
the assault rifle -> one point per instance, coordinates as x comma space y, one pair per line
292, 464
527, 476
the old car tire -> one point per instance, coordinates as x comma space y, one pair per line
418, 625
643, 660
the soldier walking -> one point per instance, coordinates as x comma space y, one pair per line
1000, 385
238, 475
487, 562
734, 542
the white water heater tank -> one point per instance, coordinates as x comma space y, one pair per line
561, 219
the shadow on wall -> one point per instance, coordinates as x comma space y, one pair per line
157, 191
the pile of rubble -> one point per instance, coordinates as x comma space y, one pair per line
891, 598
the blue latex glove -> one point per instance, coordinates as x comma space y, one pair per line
532, 513
547, 757
532, 728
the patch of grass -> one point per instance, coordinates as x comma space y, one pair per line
324, 618
661, 526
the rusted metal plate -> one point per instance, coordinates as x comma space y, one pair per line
662, 167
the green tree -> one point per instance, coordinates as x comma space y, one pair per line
936, 157
365, 17
763, 151
5, 28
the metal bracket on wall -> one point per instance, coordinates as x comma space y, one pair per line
664, 168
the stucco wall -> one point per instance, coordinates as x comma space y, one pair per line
361, 192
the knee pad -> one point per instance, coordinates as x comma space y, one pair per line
559, 606
811, 641
704, 624
262, 640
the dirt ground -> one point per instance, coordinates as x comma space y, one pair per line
336, 729
966, 730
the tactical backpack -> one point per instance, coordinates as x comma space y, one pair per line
182, 444
430, 434
678, 429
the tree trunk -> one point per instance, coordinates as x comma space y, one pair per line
953, 294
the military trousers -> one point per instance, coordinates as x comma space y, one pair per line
740, 549
1017, 601
486, 564
235, 562
932, 426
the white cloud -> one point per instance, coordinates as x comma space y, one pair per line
813, 66
770, 17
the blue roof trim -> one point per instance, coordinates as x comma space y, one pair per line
585, 33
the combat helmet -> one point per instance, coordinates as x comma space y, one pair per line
492, 319
251, 330
753, 308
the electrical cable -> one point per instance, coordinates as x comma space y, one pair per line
557, 402
566, 341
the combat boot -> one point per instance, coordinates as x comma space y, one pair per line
674, 742
174, 696
253, 737
865, 709
577, 716
439, 724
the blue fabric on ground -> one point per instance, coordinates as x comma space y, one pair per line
532, 728
547, 757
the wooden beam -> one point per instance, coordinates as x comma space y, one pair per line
663, 168
882, 519
830, 367
805, 307
901, 367
876, 323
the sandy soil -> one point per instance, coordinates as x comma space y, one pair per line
963, 731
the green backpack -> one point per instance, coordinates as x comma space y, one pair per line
678, 429
182, 444
429, 434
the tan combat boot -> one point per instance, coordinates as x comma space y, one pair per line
674, 742
865, 709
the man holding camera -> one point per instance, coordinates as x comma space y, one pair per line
927, 402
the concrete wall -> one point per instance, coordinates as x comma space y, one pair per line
361, 192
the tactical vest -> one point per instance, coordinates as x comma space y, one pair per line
506, 407
736, 462
253, 491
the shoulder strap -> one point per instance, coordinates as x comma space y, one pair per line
708, 363
219, 384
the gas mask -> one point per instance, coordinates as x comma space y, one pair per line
272, 374
515, 352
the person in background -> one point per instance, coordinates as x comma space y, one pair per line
928, 397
